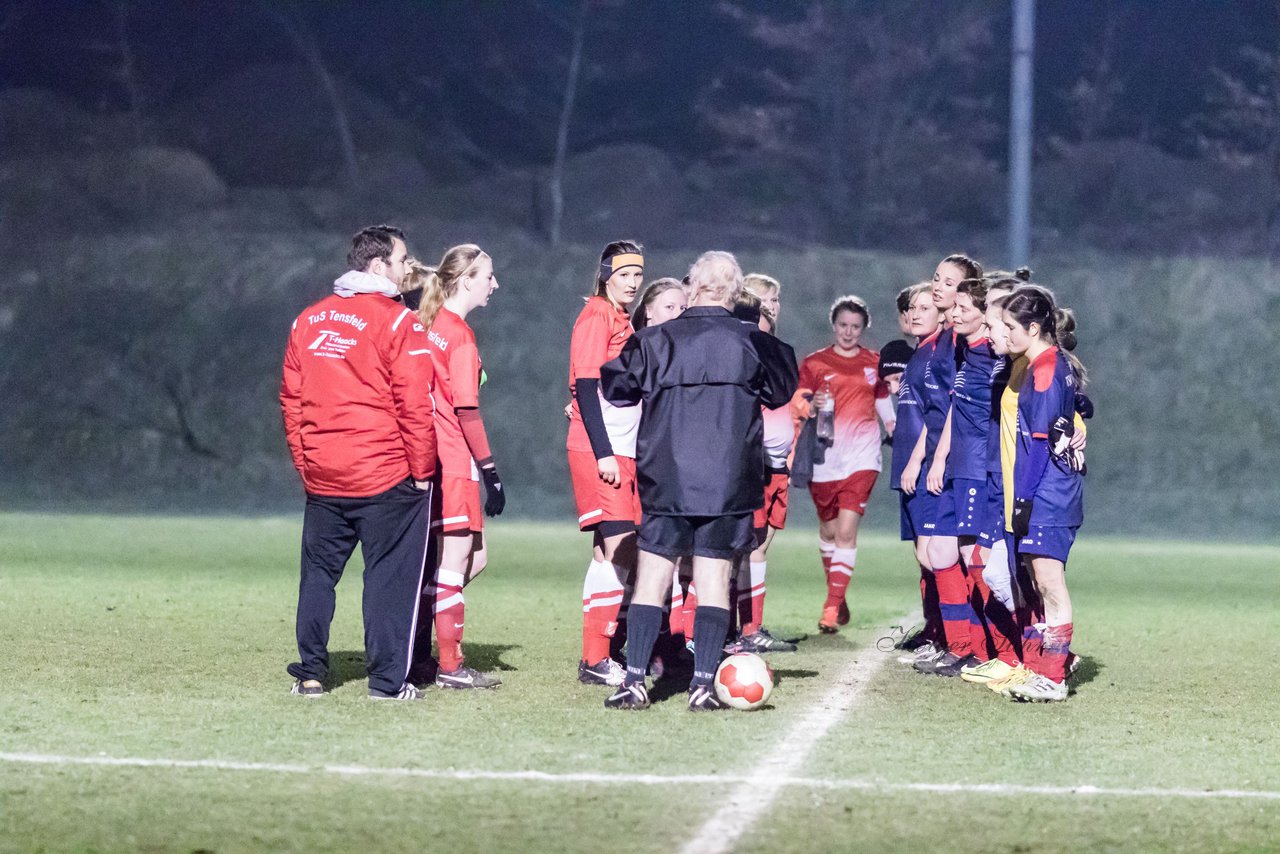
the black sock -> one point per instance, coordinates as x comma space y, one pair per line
643, 624
710, 628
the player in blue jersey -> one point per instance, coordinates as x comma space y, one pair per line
962, 474
932, 510
1043, 476
924, 322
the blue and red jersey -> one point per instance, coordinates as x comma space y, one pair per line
908, 418
934, 392
1047, 393
971, 413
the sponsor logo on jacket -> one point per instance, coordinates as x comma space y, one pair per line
330, 343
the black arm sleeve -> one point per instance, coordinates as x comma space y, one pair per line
587, 391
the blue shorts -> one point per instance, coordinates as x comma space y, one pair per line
1048, 541
972, 510
905, 531
944, 513
920, 512
993, 524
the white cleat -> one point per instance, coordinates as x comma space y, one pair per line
1039, 689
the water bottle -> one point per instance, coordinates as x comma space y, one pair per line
826, 428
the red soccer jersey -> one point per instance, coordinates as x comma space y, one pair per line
356, 396
457, 365
854, 382
598, 335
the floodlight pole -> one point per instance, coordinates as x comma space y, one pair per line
1020, 94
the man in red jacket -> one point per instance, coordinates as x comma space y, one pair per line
356, 396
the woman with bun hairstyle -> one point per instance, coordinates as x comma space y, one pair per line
1043, 478
602, 448
839, 384
932, 509
987, 561
462, 282
963, 470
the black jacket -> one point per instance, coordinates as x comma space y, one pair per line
703, 378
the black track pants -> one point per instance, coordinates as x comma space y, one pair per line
393, 529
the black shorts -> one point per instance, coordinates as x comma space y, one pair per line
719, 537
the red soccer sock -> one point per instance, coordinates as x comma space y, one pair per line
825, 551
1032, 642
757, 598
980, 632
676, 618
690, 610
1055, 648
601, 598
449, 608
929, 607
839, 576
1001, 630
953, 601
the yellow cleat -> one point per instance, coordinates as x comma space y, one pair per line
1017, 676
986, 672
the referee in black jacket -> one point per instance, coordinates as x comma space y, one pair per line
700, 469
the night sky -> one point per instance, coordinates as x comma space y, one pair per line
485, 63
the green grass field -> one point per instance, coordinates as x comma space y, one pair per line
165, 639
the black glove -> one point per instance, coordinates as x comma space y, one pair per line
495, 499
1084, 405
1061, 433
1021, 521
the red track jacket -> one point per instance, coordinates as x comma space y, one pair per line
356, 396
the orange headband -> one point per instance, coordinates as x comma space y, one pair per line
615, 263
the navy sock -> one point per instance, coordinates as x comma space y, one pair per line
710, 629
643, 624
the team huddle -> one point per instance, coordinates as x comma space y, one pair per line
688, 422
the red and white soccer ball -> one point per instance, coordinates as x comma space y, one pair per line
744, 681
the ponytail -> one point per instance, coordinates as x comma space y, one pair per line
1064, 324
426, 280
440, 282
1035, 304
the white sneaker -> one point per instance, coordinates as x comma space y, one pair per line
604, 672
922, 652
406, 692
1039, 689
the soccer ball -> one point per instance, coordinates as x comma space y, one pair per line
744, 681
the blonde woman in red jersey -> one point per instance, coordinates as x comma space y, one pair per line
843, 379
461, 283
602, 449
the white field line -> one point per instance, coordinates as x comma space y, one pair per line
627, 779
752, 799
